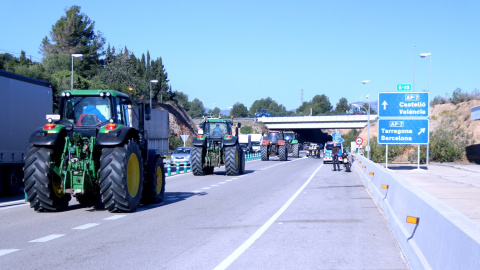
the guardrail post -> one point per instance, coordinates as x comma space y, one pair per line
185, 166
169, 169
177, 167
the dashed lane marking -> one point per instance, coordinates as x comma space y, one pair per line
239, 251
214, 185
221, 183
7, 251
47, 238
114, 217
86, 226
206, 188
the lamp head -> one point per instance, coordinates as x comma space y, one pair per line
366, 81
423, 55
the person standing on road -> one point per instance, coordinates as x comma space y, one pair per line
335, 151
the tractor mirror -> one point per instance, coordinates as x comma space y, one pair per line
239, 125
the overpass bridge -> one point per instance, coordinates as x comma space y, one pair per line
317, 121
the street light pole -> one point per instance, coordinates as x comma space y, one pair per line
368, 119
71, 77
423, 55
154, 81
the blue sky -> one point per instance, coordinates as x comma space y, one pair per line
224, 52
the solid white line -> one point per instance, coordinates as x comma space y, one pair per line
114, 217
239, 251
47, 238
86, 226
7, 251
13, 206
12, 202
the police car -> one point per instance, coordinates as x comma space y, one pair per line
327, 153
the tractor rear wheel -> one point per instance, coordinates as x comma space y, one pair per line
154, 188
121, 177
282, 152
295, 150
242, 164
233, 161
197, 162
44, 187
264, 151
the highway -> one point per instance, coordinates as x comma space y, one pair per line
297, 214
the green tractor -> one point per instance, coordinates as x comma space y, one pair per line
92, 150
274, 144
216, 147
291, 138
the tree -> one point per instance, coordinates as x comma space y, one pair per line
74, 33
196, 109
342, 106
320, 104
239, 110
272, 106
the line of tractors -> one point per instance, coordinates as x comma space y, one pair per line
97, 150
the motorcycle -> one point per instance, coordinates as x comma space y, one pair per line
346, 162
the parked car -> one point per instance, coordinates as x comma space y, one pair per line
180, 155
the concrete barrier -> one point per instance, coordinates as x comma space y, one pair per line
443, 238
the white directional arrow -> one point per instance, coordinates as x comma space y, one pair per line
422, 130
384, 104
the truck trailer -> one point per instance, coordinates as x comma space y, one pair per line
25, 102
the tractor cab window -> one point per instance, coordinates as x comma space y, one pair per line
274, 137
87, 110
216, 129
289, 136
122, 112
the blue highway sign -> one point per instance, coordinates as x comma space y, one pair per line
337, 137
403, 131
398, 104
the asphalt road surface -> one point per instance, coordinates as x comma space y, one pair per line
297, 214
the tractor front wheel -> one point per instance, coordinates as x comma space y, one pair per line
121, 177
44, 187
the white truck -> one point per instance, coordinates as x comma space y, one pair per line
25, 103
256, 140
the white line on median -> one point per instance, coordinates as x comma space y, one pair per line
239, 251
47, 238
7, 251
114, 217
86, 226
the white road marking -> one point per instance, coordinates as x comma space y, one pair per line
7, 251
47, 238
196, 191
114, 217
239, 251
221, 183
86, 226
228, 180
13, 203
206, 188
214, 185
13, 206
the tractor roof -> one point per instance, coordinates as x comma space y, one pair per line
218, 120
113, 93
